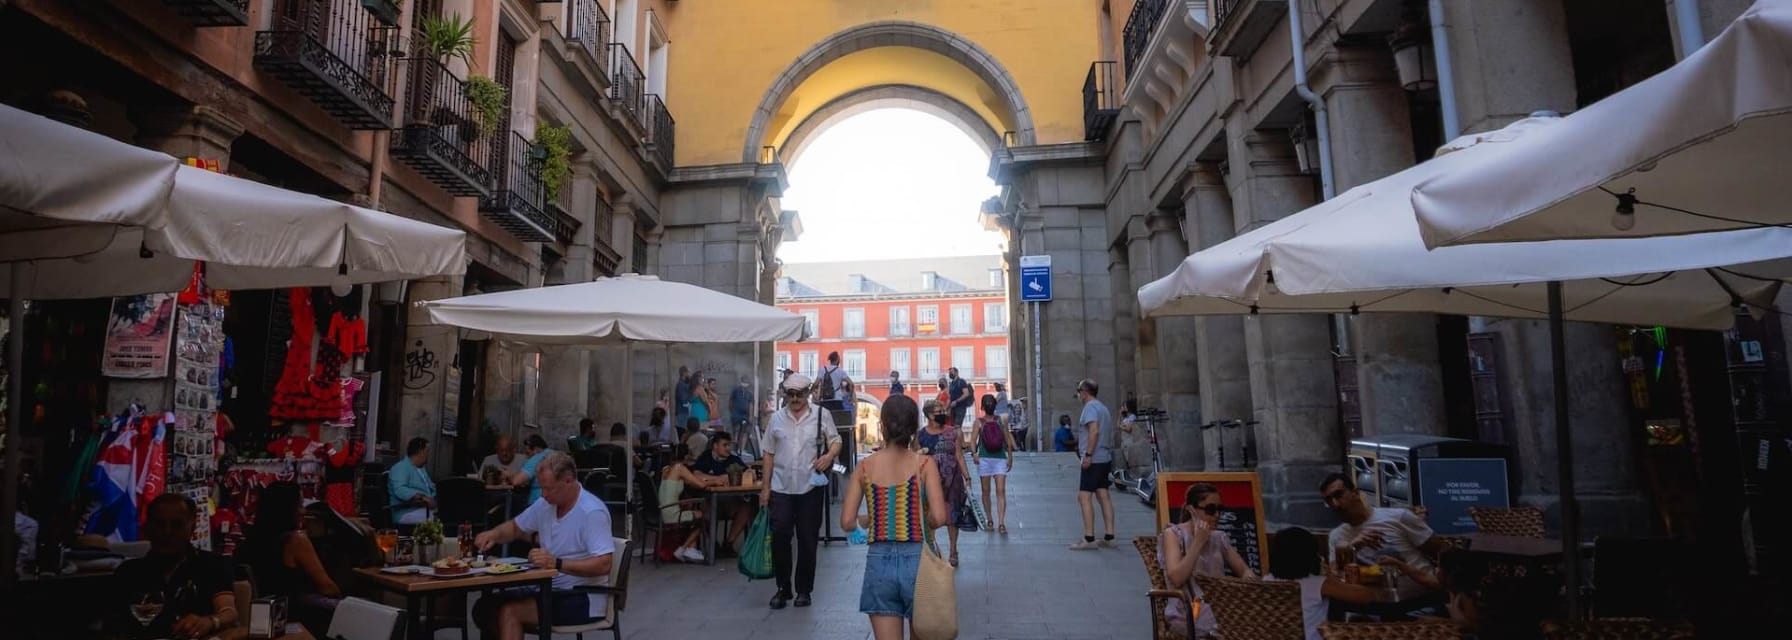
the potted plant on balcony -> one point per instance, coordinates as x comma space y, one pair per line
439, 40
553, 146
489, 100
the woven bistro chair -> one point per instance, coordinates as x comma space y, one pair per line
1524, 522
1253, 609
1620, 629
1161, 594
1389, 631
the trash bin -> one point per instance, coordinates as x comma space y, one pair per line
1445, 475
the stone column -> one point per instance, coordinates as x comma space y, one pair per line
1399, 377
1221, 369
430, 349
1511, 59
1178, 361
1293, 394
566, 393
187, 131
1134, 270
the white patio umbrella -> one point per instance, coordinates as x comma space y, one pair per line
1702, 146
1361, 251
624, 309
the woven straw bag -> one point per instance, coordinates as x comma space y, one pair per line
936, 597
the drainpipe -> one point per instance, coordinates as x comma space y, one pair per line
1313, 100
1692, 33
1446, 71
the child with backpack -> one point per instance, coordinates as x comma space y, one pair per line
995, 458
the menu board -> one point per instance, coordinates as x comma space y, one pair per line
1241, 509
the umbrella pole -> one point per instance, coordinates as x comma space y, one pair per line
15, 421
1558, 356
628, 479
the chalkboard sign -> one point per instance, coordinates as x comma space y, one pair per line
1241, 510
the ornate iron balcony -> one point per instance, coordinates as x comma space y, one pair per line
662, 132
211, 13
1137, 34
337, 55
590, 29
626, 82
1101, 100
441, 138
518, 201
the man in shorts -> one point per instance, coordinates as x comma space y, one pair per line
1097, 453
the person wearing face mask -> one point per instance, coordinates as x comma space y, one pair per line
940, 440
1197, 546
896, 388
962, 396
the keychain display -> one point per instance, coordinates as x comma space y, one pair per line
192, 446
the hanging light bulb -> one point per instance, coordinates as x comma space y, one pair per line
1624, 215
340, 284
1269, 284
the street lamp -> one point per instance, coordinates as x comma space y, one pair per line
1306, 147
1414, 58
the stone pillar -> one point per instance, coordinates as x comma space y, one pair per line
1511, 60
1399, 377
1222, 369
1179, 439
1136, 270
1293, 394
1130, 339
187, 131
566, 392
430, 350
1714, 16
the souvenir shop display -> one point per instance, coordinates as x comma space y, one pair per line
193, 449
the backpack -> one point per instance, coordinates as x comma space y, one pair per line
992, 436
827, 383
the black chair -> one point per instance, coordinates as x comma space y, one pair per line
647, 493
462, 500
374, 497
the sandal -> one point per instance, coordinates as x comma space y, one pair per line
1002, 529
954, 559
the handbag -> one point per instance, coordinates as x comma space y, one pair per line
936, 596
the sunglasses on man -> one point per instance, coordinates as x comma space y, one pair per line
795, 393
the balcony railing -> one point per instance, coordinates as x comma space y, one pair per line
662, 131
1137, 34
1221, 10
518, 201
1101, 100
440, 138
590, 29
626, 82
335, 53
211, 13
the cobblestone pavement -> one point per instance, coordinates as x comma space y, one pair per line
1026, 585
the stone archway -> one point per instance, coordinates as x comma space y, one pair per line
889, 34
890, 96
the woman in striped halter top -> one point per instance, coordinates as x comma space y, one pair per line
901, 489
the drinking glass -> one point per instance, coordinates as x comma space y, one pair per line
466, 539
147, 607
387, 539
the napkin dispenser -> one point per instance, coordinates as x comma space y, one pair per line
267, 617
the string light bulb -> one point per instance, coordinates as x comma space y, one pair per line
1269, 284
340, 285
1624, 215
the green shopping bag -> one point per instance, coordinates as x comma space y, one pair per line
756, 549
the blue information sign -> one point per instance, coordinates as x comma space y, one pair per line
1451, 486
1035, 278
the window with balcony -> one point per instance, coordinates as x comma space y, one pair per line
854, 321
899, 325
627, 84
964, 359
814, 319
930, 364
1101, 100
854, 362
995, 317
339, 55
589, 28
995, 363
961, 319
927, 319
899, 363
781, 360
808, 364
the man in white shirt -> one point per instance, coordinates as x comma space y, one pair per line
575, 539
800, 444
1394, 537
504, 457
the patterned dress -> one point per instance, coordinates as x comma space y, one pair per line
951, 475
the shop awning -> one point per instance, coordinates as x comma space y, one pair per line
1710, 136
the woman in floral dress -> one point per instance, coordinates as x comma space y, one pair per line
940, 440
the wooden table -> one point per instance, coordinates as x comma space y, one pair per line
748, 487
417, 588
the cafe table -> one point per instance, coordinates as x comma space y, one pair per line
418, 588
748, 487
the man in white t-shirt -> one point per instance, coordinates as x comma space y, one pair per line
1395, 538
575, 539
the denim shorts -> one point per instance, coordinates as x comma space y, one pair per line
890, 569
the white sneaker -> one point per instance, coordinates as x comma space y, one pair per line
1082, 545
690, 555
1105, 543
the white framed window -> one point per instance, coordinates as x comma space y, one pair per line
814, 318
995, 317
961, 319
900, 364
964, 359
854, 323
807, 366
995, 362
995, 278
927, 319
929, 280
899, 325
622, 24
854, 361
930, 364
781, 360
657, 55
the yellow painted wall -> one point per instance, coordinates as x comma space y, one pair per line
727, 53
889, 65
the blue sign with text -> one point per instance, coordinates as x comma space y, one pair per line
1451, 486
1035, 278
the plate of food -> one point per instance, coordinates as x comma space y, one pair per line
402, 570
501, 568
451, 568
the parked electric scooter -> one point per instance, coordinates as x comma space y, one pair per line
1144, 483
1244, 447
